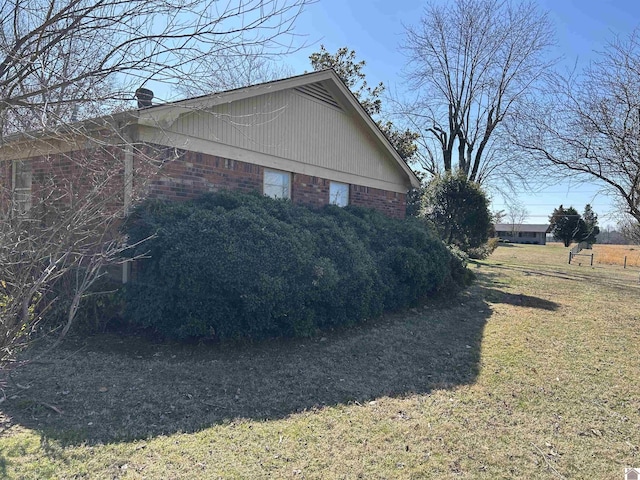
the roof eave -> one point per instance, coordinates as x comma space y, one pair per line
357, 106
159, 115
164, 115
119, 120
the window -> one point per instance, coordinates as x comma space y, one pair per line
21, 186
339, 194
277, 184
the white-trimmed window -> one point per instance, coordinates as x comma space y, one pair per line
277, 184
21, 186
339, 194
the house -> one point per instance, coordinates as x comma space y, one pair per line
522, 233
304, 138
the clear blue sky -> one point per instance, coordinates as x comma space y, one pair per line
374, 29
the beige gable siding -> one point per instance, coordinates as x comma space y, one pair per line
293, 126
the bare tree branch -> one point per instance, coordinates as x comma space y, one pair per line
64, 187
86, 52
471, 61
589, 124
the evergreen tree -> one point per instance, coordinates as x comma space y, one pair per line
590, 220
459, 209
566, 225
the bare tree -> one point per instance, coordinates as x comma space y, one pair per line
630, 230
517, 213
588, 126
471, 61
61, 230
66, 187
244, 66
83, 52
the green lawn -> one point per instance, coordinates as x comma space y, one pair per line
532, 373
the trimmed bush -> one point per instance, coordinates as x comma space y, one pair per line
232, 265
483, 251
459, 209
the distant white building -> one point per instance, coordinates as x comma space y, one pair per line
522, 233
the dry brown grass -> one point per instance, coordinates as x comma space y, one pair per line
615, 255
532, 373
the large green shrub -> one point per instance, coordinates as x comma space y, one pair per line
232, 265
459, 209
483, 251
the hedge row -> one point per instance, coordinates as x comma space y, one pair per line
232, 265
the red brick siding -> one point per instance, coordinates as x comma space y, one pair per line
71, 175
310, 191
63, 180
167, 173
196, 173
390, 203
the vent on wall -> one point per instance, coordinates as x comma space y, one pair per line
317, 91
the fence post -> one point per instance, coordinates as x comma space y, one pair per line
625, 262
592, 259
570, 257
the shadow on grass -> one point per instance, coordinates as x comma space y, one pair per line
487, 286
109, 388
518, 300
590, 276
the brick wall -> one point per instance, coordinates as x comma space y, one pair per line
310, 191
193, 174
390, 203
63, 180
167, 173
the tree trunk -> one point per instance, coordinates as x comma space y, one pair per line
462, 163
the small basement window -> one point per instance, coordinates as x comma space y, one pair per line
339, 194
277, 184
